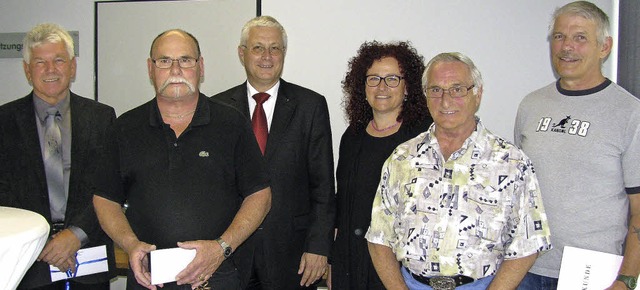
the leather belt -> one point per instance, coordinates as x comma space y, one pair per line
443, 282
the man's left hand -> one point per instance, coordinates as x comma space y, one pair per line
60, 251
617, 285
208, 258
312, 267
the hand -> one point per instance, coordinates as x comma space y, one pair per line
139, 261
208, 258
60, 251
68, 265
617, 285
312, 267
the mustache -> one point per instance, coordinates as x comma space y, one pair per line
51, 75
566, 54
177, 80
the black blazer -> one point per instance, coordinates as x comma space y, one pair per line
22, 177
300, 161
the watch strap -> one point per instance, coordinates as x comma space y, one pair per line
630, 281
226, 248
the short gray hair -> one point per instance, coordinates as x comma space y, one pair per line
476, 76
588, 11
46, 33
262, 21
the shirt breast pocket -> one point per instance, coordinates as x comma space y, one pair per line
488, 207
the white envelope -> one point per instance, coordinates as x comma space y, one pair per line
587, 269
90, 261
167, 263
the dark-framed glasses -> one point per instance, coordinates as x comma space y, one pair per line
183, 62
259, 50
455, 92
391, 81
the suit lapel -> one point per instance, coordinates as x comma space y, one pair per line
282, 115
283, 112
26, 123
80, 122
238, 98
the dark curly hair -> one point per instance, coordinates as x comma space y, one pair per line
357, 109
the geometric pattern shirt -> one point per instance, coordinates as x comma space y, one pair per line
461, 216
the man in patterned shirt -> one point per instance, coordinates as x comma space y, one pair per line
456, 205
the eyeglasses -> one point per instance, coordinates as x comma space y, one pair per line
259, 50
455, 92
391, 81
183, 62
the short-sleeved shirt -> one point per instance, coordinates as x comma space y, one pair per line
186, 188
461, 216
585, 145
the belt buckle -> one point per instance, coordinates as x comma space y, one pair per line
442, 283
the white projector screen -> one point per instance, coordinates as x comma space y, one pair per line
125, 30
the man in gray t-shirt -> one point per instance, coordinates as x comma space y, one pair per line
582, 134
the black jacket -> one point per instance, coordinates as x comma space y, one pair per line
22, 177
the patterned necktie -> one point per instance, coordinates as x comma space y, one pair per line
259, 121
53, 165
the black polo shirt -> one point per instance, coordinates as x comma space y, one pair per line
186, 188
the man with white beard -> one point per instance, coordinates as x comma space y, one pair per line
190, 170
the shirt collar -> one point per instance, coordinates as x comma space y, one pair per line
578, 93
41, 106
273, 91
475, 139
200, 117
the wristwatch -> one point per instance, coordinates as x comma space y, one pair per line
630, 281
226, 249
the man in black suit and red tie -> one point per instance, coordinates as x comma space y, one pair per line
291, 124
48, 153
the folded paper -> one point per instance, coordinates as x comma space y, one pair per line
587, 269
167, 263
88, 261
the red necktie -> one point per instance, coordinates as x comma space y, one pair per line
259, 121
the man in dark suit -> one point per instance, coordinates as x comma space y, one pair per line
292, 246
27, 178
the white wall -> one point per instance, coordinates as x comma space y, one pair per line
506, 39
123, 80
21, 16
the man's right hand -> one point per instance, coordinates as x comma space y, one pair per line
60, 251
139, 262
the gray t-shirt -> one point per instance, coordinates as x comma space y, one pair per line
585, 148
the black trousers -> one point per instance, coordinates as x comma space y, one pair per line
262, 274
60, 285
226, 277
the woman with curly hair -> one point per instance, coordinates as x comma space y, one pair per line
385, 106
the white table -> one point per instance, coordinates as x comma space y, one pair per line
23, 234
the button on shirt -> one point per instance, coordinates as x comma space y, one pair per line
460, 216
